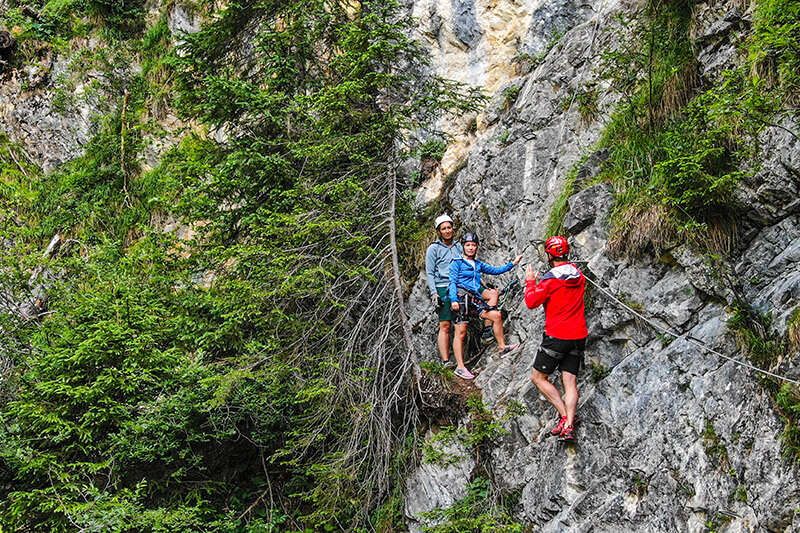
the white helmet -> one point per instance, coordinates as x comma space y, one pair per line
441, 219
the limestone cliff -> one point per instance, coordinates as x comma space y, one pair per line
673, 438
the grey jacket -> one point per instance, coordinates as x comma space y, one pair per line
437, 263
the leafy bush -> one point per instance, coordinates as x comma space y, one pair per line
433, 149
482, 430
510, 95
788, 400
124, 16
211, 358
54, 21
774, 49
751, 330
479, 510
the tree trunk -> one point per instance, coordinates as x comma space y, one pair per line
411, 356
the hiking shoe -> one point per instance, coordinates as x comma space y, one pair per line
508, 349
448, 363
558, 428
463, 373
567, 434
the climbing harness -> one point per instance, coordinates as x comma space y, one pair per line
473, 304
477, 342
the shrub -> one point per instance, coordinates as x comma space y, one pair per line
479, 510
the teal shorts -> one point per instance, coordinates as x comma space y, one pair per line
444, 311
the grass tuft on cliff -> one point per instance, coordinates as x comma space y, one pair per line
678, 149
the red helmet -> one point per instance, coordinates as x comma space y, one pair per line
556, 246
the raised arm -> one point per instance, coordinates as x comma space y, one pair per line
535, 293
496, 270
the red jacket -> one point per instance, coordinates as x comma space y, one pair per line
561, 291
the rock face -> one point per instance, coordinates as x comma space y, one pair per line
52, 104
673, 437
32, 117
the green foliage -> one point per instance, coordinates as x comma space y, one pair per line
432, 449
598, 371
639, 485
436, 369
788, 401
774, 49
665, 339
390, 516
675, 151
106, 385
586, 100
16, 178
740, 495
694, 174
124, 16
57, 21
211, 358
482, 430
157, 57
510, 95
646, 66
751, 331
79, 198
555, 221
414, 234
718, 521
715, 448
528, 60
433, 148
483, 427
479, 510
793, 329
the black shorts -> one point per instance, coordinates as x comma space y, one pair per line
566, 355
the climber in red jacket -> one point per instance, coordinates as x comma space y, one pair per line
561, 291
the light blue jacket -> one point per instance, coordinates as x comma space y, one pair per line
465, 276
437, 263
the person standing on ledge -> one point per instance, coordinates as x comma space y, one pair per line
437, 269
561, 291
469, 297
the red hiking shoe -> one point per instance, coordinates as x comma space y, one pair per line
559, 427
567, 434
